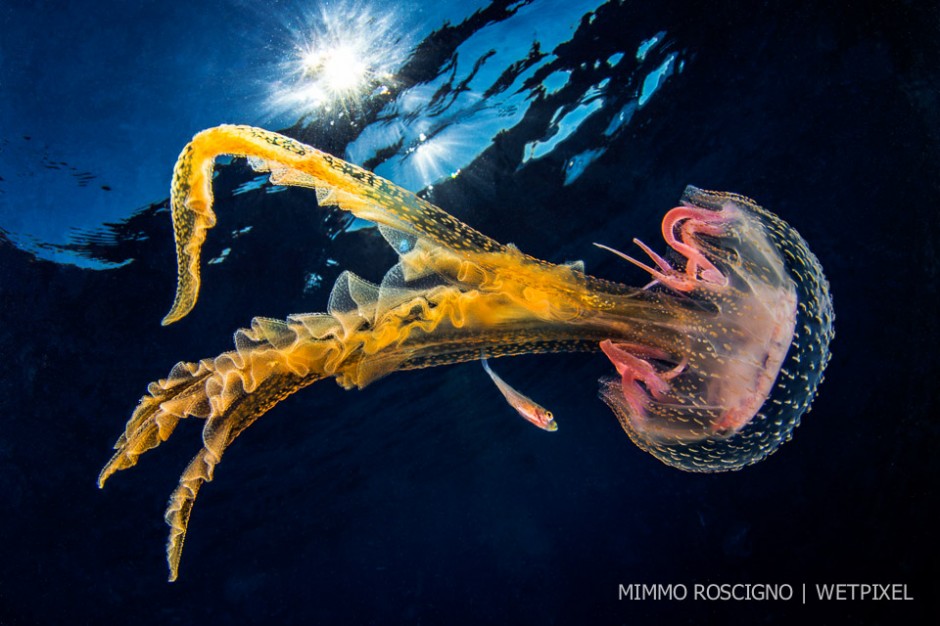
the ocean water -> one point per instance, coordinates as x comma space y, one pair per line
424, 499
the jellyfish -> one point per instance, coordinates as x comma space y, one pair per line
716, 359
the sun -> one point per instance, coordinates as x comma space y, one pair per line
338, 58
340, 68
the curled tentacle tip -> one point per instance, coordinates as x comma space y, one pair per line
106, 473
187, 292
177, 312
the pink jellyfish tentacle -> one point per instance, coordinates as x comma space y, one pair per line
632, 361
696, 221
658, 276
699, 272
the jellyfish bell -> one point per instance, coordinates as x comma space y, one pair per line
756, 327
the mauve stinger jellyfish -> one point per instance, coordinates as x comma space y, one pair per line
716, 359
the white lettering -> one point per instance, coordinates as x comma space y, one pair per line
741, 592
761, 592
862, 591
637, 591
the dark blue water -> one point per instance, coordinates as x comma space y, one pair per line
424, 498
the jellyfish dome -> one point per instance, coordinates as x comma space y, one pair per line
726, 376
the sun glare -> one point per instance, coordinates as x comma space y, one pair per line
340, 68
339, 58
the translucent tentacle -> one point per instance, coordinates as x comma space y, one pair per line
290, 162
230, 392
180, 395
219, 432
368, 332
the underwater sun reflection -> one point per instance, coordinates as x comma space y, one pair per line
339, 56
434, 158
339, 68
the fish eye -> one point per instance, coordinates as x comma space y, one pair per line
548, 415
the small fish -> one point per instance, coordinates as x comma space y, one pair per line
528, 409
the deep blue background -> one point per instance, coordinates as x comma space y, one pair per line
423, 499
